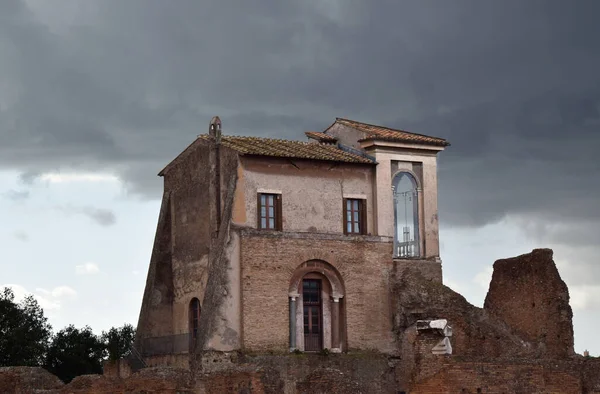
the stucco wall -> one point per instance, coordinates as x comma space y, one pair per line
312, 192
390, 162
346, 135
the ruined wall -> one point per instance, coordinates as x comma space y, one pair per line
188, 182
177, 270
155, 317
526, 312
429, 269
220, 319
509, 330
269, 260
476, 334
499, 378
26, 379
312, 192
528, 293
187, 245
359, 372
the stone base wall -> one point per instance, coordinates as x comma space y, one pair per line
429, 269
169, 360
336, 374
517, 376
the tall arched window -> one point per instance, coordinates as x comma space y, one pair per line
194, 316
406, 215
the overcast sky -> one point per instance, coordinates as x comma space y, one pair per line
97, 96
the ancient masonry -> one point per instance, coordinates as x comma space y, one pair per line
313, 267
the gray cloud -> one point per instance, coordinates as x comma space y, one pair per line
102, 217
513, 85
21, 236
17, 195
29, 177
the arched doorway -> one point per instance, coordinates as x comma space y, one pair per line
316, 308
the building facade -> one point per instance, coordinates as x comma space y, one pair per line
275, 245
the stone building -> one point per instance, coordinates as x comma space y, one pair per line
274, 245
265, 247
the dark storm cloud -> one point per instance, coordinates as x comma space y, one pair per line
513, 85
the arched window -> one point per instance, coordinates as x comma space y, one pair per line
406, 215
194, 316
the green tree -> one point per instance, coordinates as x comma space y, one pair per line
75, 352
24, 331
119, 341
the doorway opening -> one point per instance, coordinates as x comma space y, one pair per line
313, 316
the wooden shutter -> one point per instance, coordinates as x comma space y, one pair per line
363, 217
258, 211
345, 215
278, 213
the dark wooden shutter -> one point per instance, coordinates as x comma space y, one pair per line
278, 213
363, 217
258, 211
345, 215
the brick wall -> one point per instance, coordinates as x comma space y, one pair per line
500, 378
268, 263
528, 293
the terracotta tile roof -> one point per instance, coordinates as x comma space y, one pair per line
292, 149
321, 137
385, 133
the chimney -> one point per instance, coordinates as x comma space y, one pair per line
214, 132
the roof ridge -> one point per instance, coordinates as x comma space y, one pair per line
259, 138
388, 128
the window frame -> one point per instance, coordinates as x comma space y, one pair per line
195, 309
362, 216
277, 212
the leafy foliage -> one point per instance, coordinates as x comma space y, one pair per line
119, 341
26, 339
24, 331
75, 352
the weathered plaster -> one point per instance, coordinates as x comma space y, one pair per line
312, 191
428, 199
346, 135
239, 201
156, 311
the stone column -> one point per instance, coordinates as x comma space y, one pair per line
292, 323
335, 326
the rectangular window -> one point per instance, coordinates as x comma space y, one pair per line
269, 211
355, 216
